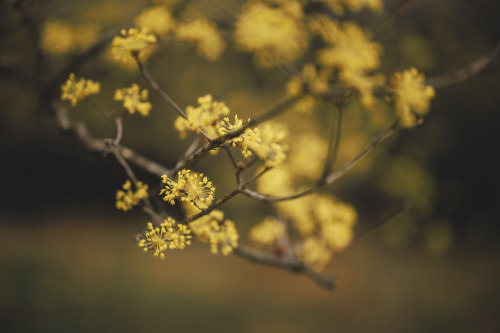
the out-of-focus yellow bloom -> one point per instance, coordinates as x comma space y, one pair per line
364, 85
190, 186
133, 40
58, 37
411, 96
166, 236
315, 253
268, 143
299, 211
210, 229
73, 90
307, 156
225, 127
134, 99
204, 34
275, 35
278, 181
268, 231
127, 198
353, 53
202, 118
157, 20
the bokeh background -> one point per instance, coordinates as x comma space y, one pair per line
67, 259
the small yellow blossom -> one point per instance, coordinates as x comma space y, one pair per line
190, 186
275, 35
299, 212
307, 156
225, 126
211, 229
351, 50
133, 40
202, 118
157, 20
73, 90
204, 34
278, 181
134, 99
166, 236
411, 96
337, 235
353, 53
315, 253
127, 198
268, 231
329, 210
267, 142
57, 37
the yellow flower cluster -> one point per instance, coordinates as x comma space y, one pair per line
134, 99
127, 198
224, 127
202, 118
275, 33
411, 96
353, 53
267, 142
190, 187
333, 220
133, 40
73, 90
220, 236
268, 231
58, 37
310, 82
158, 20
166, 236
204, 34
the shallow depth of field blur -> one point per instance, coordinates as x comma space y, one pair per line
67, 256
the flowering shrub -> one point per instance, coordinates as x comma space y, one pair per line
331, 65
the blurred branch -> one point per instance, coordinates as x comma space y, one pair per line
80, 131
332, 177
465, 73
405, 207
291, 264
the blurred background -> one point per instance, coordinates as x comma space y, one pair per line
68, 261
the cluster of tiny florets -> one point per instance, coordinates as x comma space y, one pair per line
132, 41
74, 90
134, 99
202, 118
268, 231
127, 198
190, 186
411, 96
166, 236
221, 235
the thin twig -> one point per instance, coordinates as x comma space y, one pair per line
465, 73
332, 177
374, 226
80, 131
293, 265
